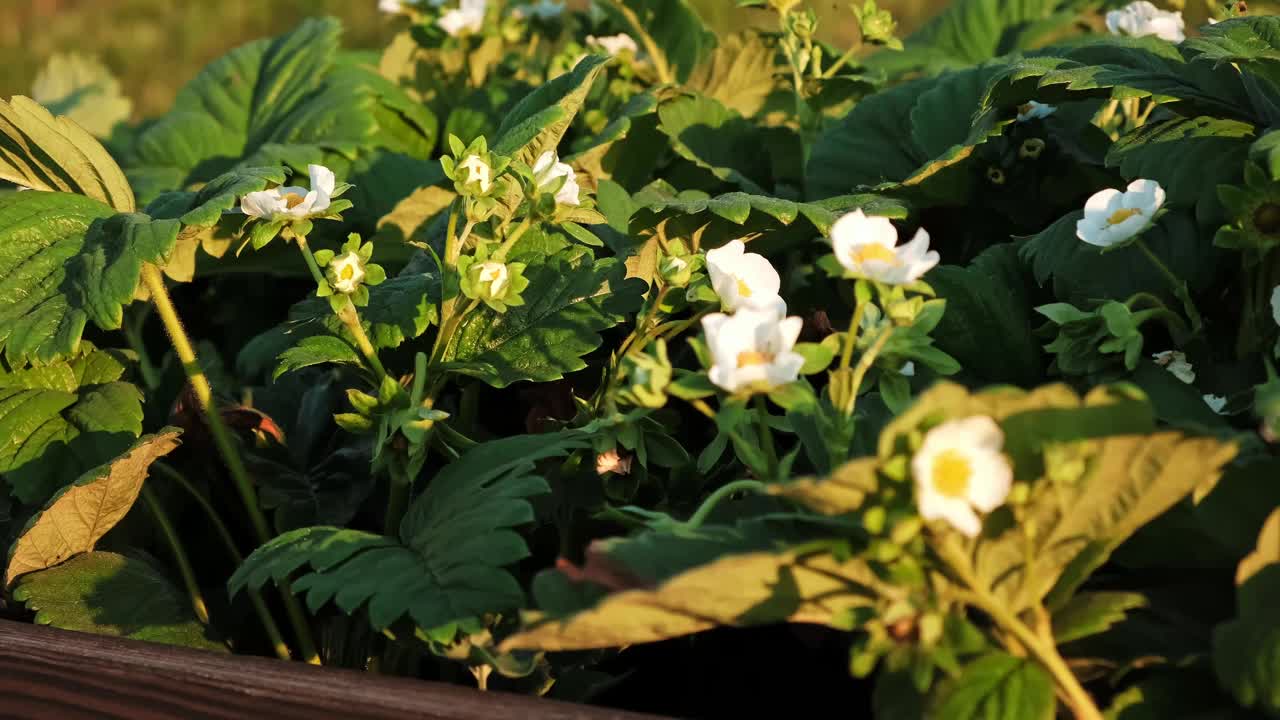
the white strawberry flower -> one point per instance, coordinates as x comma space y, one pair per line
1176, 363
1111, 217
611, 461
753, 349
548, 168
1033, 110
346, 272
958, 470
867, 247
743, 279
1275, 304
292, 202
495, 276
614, 44
468, 17
1141, 18
478, 171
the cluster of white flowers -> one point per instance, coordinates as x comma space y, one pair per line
752, 348
1141, 18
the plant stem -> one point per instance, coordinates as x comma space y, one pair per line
851, 338
500, 255
179, 554
222, 439
1039, 646
1178, 286
766, 436
351, 319
864, 364
312, 265
699, 516
260, 607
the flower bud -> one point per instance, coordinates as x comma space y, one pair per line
647, 377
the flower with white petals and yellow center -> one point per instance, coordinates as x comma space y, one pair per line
494, 276
960, 471
478, 172
744, 280
547, 169
1176, 363
1033, 110
1141, 18
1111, 216
753, 349
292, 202
867, 247
346, 272
468, 17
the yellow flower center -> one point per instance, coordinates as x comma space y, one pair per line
1121, 215
748, 358
293, 200
346, 273
874, 251
951, 473
744, 290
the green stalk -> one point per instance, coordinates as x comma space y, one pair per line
278, 644
700, 515
851, 338
766, 436
179, 554
222, 439
312, 265
500, 255
1177, 285
864, 364
351, 319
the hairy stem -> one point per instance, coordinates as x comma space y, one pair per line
1175, 283
278, 645
766, 436
179, 553
222, 440
351, 319
700, 515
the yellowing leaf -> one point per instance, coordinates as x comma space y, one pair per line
1267, 552
76, 518
738, 73
840, 492
84, 90
736, 590
412, 213
42, 152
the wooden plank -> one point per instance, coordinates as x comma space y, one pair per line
48, 673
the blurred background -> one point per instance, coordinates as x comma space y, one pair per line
156, 46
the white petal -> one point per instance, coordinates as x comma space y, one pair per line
1275, 304
788, 332
955, 511
992, 479
1102, 201
322, 179
262, 204
727, 254
1145, 195
759, 275
785, 369
544, 161
723, 377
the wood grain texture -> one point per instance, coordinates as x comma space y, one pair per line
48, 673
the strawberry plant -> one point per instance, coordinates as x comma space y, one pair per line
543, 335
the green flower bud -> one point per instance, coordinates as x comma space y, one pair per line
496, 284
647, 377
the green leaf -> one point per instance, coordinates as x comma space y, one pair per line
66, 259
78, 516
1190, 157
1081, 272
271, 91
571, 298
740, 74
539, 121
988, 325
998, 686
84, 91
1246, 650
716, 139
735, 590
109, 594
1091, 613
316, 350
1187, 693
61, 419
42, 152
447, 563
